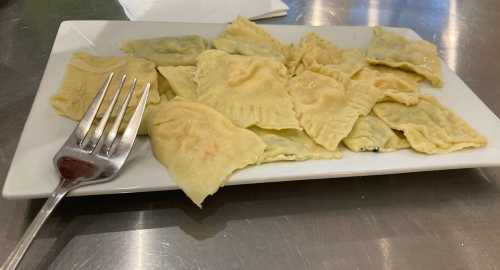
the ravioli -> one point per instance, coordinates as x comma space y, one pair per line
429, 127
164, 87
287, 145
397, 85
181, 80
326, 109
293, 60
352, 61
200, 147
85, 75
245, 37
412, 79
339, 76
373, 135
393, 50
249, 90
313, 50
167, 51
318, 50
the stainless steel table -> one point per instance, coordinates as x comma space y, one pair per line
432, 220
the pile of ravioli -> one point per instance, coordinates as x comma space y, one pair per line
246, 98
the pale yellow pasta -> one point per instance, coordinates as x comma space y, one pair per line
412, 79
317, 49
313, 50
372, 134
181, 80
293, 60
393, 50
245, 37
249, 90
289, 144
164, 87
429, 127
200, 147
397, 85
167, 51
362, 97
339, 76
85, 75
352, 61
326, 109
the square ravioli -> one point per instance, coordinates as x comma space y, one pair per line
290, 144
167, 51
429, 127
245, 37
326, 109
200, 147
393, 50
373, 135
397, 85
249, 90
85, 75
313, 50
181, 80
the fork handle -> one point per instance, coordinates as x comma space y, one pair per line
22, 246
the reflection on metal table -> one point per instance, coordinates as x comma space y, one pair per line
431, 220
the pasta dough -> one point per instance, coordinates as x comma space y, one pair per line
164, 88
397, 85
181, 80
249, 90
313, 50
283, 145
429, 127
200, 147
245, 37
326, 109
372, 134
85, 75
167, 51
412, 79
393, 50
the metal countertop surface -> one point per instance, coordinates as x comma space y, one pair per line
430, 220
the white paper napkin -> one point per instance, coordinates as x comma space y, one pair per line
206, 11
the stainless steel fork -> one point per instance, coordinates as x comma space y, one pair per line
86, 158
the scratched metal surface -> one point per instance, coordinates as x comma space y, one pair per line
433, 220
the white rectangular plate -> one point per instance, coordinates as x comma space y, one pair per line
32, 174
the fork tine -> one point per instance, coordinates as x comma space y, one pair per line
110, 138
97, 134
83, 127
128, 137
